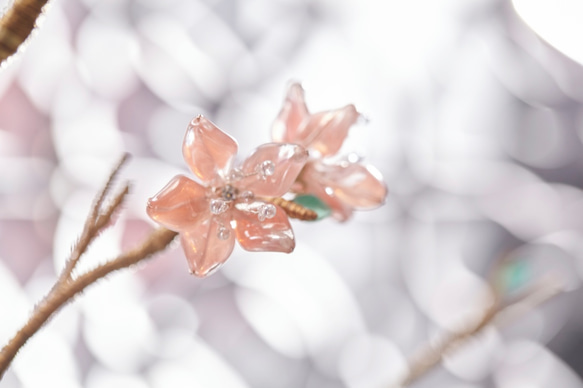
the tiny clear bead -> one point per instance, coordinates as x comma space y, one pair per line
266, 168
218, 206
300, 153
223, 233
236, 174
246, 195
266, 211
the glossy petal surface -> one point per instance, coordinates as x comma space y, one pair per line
207, 149
273, 234
343, 187
313, 185
292, 117
325, 131
180, 203
203, 248
287, 161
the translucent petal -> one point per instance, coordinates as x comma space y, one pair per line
286, 160
272, 234
292, 116
207, 149
325, 131
206, 245
180, 203
345, 186
313, 184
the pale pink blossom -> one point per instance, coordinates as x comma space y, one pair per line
228, 204
343, 185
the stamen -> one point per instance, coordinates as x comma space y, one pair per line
265, 211
265, 169
236, 174
246, 195
223, 233
218, 206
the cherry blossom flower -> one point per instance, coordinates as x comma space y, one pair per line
228, 205
342, 184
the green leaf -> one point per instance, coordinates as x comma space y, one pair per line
313, 203
516, 275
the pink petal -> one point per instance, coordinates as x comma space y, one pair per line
207, 150
292, 116
312, 183
273, 234
286, 162
204, 249
325, 131
178, 204
345, 186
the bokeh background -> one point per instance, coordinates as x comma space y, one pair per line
474, 117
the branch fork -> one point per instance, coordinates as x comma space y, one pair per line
68, 285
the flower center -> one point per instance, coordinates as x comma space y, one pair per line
224, 196
229, 193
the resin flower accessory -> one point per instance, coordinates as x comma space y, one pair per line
246, 203
229, 203
343, 185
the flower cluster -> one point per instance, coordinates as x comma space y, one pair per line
343, 185
245, 202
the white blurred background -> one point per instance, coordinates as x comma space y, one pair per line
475, 119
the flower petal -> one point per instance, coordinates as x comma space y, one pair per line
359, 186
292, 116
207, 244
207, 150
313, 184
272, 234
345, 186
178, 204
325, 131
272, 168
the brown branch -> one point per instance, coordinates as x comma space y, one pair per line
95, 221
498, 315
107, 187
292, 209
59, 296
105, 218
17, 24
66, 286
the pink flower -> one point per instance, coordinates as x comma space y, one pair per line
228, 204
344, 186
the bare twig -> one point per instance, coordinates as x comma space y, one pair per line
105, 218
59, 296
498, 315
66, 286
17, 24
95, 221
107, 187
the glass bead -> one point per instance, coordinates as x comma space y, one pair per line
236, 174
266, 168
218, 206
246, 195
223, 233
266, 211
